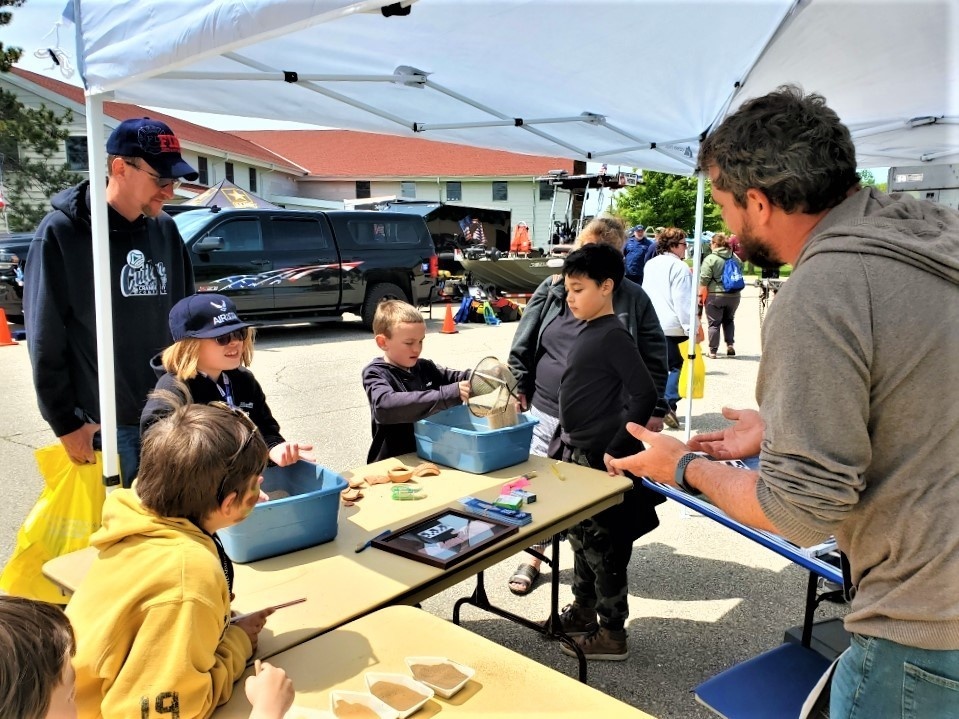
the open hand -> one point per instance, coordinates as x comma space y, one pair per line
740, 440
287, 453
659, 460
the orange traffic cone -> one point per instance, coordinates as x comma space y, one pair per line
5, 338
449, 326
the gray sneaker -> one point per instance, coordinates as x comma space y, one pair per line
576, 620
603, 645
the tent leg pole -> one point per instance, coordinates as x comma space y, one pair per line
694, 301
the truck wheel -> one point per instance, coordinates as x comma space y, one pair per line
376, 294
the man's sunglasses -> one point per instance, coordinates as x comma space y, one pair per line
161, 182
251, 427
238, 335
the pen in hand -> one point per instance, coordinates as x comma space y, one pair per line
238, 617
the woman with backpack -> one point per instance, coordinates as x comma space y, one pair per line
721, 277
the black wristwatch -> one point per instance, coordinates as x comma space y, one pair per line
680, 476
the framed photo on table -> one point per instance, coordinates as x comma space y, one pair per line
445, 538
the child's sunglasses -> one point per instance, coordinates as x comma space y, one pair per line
224, 340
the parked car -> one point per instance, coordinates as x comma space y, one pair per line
281, 265
13, 256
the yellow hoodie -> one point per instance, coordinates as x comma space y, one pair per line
152, 620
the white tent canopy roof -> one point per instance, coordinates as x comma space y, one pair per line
633, 82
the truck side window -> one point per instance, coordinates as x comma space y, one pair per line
378, 234
240, 235
301, 233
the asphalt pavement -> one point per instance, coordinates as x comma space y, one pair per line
702, 598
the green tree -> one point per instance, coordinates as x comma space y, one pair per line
667, 200
8, 55
29, 138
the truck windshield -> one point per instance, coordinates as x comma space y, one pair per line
189, 223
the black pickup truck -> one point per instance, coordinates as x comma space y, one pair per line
282, 265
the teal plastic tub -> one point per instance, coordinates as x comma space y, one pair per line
305, 518
459, 439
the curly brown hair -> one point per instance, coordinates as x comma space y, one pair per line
668, 238
790, 146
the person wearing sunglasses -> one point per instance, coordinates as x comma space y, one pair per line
211, 352
149, 270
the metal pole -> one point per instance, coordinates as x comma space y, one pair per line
694, 301
102, 288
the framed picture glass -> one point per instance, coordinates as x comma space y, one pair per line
445, 538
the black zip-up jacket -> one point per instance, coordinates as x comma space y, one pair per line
150, 271
247, 394
400, 397
630, 303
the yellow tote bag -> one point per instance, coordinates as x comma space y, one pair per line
698, 369
67, 513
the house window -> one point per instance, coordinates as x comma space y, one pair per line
252, 179
77, 153
454, 191
408, 189
500, 193
229, 171
203, 169
362, 189
546, 190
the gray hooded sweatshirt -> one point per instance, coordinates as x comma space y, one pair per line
859, 389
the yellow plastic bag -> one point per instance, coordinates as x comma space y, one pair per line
67, 513
699, 372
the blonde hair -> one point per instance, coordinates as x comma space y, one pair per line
391, 313
668, 238
719, 240
603, 230
180, 358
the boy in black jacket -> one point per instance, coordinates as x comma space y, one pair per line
605, 385
401, 387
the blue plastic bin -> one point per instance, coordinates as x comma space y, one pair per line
459, 439
304, 519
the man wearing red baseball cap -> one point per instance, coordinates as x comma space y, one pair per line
150, 271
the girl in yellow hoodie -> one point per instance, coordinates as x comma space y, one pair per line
152, 616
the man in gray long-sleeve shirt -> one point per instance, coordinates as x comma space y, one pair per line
858, 393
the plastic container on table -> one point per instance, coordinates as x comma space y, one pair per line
459, 439
444, 691
419, 688
306, 517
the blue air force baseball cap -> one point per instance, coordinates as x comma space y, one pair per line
155, 142
203, 316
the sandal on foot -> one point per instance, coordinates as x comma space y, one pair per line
525, 575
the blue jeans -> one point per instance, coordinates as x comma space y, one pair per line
878, 678
674, 360
128, 447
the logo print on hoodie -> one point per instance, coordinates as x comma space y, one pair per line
142, 277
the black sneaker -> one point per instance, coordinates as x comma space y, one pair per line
603, 645
730, 352
671, 420
576, 620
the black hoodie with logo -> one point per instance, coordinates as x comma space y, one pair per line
150, 271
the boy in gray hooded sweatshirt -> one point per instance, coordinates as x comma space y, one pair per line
858, 391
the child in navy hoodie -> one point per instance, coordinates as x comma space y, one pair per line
402, 387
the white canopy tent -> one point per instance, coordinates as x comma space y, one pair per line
633, 82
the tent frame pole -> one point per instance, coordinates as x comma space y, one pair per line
102, 288
694, 320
